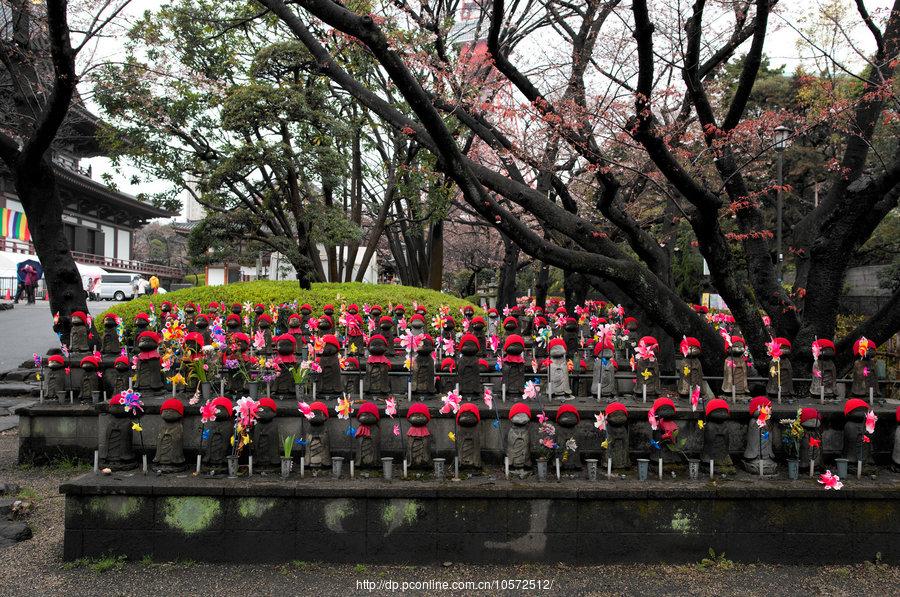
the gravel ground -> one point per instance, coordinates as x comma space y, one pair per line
35, 567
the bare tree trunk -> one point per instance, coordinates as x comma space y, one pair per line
436, 256
506, 288
542, 284
355, 201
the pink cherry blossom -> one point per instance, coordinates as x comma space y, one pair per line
600, 422
830, 481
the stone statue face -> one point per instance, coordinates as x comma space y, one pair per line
117, 410
617, 418
166, 308
606, 353
170, 415
631, 326
77, 320
469, 349
478, 327
425, 347
665, 412
221, 415
736, 349
468, 313
318, 418
367, 419
351, 367
304, 311
263, 325
811, 424
515, 349
233, 325
147, 344
258, 310
109, 323
329, 350
236, 309
385, 327
520, 419
324, 326
122, 367
557, 351
266, 414
284, 347
377, 347
417, 325
294, 321
202, 324
328, 311
398, 312
418, 420
858, 415
567, 419
88, 367
375, 313
190, 310
571, 326
719, 415
510, 327
449, 327
467, 419
352, 311
242, 346
785, 351
827, 353
693, 351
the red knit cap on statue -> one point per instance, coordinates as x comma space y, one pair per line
853, 404
195, 337
824, 343
370, 408
122, 359
225, 403
352, 361
628, 320
93, 360
142, 316
331, 339
265, 317
240, 337
808, 414
448, 364
377, 337
268, 403
660, 402
319, 406
418, 409
173, 404
616, 407
519, 408
510, 320
649, 341
233, 317
470, 407
468, 338
858, 344
758, 403
286, 337
148, 334
716, 404
478, 319
601, 346
117, 399
557, 342
567, 408
784, 342
898, 414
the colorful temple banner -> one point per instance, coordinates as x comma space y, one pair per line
14, 224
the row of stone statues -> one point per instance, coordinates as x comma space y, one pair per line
218, 430
468, 369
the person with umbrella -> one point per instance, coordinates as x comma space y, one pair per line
28, 272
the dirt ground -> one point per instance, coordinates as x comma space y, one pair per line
35, 567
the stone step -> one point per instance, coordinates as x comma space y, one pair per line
18, 389
9, 422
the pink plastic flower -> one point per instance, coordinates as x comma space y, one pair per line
390, 407
870, 421
600, 422
542, 417
451, 403
830, 481
207, 412
548, 443
531, 390
765, 413
695, 398
494, 343
247, 411
397, 429
488, 398
773, 348
645, 351
654, 422
816, 350
305, 410
449, 346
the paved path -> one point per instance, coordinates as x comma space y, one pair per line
27, 329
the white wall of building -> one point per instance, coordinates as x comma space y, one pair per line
124, 247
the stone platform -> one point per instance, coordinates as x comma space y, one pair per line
483, 519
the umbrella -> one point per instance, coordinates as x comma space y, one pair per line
38, 268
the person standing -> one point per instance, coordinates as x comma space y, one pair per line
154, 284
30, 283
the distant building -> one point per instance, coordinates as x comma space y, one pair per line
99, 222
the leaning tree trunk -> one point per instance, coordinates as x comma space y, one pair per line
506, 289
39, 195
436, 256
542, 285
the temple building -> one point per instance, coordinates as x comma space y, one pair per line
99, 221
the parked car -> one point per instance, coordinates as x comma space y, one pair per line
117, 287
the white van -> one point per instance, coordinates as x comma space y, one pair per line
117, 287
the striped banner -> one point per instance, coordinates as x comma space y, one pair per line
14, 224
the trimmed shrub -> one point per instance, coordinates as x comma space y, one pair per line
269, 292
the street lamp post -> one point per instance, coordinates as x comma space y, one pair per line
781, 137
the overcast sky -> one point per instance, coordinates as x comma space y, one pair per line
784, 46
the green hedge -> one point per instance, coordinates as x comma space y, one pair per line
267, 292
